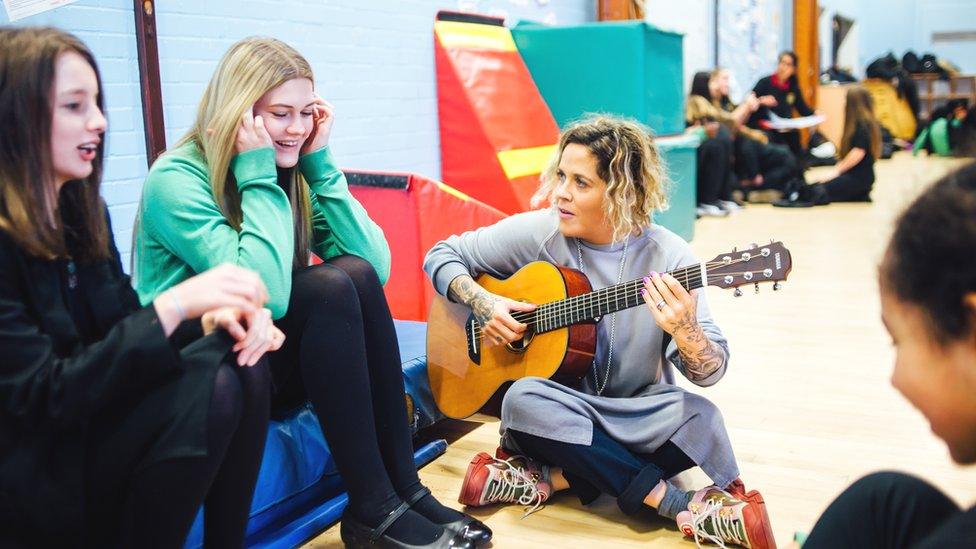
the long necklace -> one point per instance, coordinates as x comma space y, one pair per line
613, 321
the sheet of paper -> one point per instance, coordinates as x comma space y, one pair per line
780, 123
19, 9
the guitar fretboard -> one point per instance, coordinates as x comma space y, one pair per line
586, 307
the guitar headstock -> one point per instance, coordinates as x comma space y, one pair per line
767, 263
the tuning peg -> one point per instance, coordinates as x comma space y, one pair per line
737, 292
776, 286
757, 287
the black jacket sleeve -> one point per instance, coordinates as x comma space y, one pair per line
38, 384
799, 102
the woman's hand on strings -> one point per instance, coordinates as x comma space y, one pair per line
499, 325
675, 310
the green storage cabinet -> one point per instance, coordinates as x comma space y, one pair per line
628, 68
680, 155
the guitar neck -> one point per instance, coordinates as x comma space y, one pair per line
592, 305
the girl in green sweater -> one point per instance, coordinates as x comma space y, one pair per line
254, 184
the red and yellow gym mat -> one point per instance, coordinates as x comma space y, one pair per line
497, 134
415, 213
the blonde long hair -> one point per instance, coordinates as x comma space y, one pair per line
627, 160
249, 69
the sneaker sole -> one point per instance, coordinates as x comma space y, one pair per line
469, 494
766, 530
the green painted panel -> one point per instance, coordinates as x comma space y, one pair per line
626, 68
680, 156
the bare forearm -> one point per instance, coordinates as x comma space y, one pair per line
464, 289
850, 160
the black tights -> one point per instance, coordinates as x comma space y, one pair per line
341, 336
893, 510
156, 502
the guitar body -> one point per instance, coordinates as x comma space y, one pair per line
465, 376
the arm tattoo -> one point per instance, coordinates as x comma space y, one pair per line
700, 356
464, 289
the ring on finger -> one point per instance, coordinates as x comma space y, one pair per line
660, 305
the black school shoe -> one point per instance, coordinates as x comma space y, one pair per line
797, 194
467, 526
357, 535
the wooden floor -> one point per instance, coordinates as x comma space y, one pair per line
806, 398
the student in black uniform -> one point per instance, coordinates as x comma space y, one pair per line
111, 435
852, 178
928, 305
784, 89
759, 165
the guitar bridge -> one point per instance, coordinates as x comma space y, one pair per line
472, 330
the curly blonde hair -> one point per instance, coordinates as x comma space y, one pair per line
627, 160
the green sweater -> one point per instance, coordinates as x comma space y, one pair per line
182, 232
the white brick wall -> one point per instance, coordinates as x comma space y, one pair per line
374, 59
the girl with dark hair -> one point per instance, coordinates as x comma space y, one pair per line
715, 177
783, 89
928, 305
112, 435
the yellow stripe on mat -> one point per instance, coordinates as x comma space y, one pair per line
452, 191
519, 162
474, 36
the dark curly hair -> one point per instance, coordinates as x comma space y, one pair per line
931, 260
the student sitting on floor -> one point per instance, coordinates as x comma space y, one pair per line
111, 434
715, 176
852, 178
928, 305
254, 182
626, 430
761, 167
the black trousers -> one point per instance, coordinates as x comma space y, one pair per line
893, 511
792, 140
715, 176
848, 188
606, 466
775, 162
341, 353
155, 458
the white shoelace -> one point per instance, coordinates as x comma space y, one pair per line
514, 479
724, 526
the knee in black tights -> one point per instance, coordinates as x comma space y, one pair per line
360, 271
225, 408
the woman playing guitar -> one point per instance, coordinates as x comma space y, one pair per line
625, 430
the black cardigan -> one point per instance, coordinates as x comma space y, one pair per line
52, 382
787, 100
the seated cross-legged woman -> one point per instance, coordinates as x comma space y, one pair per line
254, 183
624, 431
112, 433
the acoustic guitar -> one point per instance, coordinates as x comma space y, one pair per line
560, 340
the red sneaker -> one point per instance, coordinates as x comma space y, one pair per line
717, 516
517, 479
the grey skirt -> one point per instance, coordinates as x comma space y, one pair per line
641, 423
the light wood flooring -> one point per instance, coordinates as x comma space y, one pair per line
806, 399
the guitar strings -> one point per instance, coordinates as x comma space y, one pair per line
549, 315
